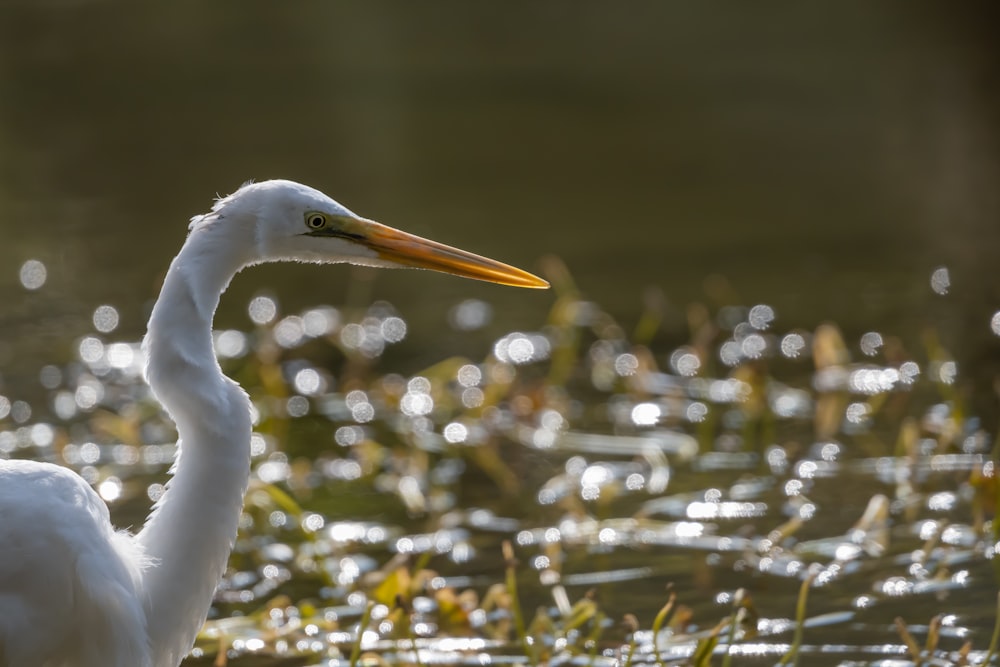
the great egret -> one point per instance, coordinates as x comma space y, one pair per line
76, 593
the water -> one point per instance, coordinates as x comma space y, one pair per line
696, 482
824, 164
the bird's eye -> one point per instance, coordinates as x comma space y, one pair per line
315, 220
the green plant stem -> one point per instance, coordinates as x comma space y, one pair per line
911, 644
515, 604
734, 619
631, 651
594, 637
413, 642
362, 624
800, 619
661, 618
995, 640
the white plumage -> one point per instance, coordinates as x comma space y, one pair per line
75, 593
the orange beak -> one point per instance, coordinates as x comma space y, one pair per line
417, 252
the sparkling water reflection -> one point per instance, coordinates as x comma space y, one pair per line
663, 476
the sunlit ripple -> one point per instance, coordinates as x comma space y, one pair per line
873, 381
908, 372
297, 406
110, 489
441, 541
871, 343
342, 469
646, 414
549, 418
895, 587
262, 309
122, 356
342, 532
696, 412
33, 274
20, 411
50, 376
393, 329
470, 315
754, 346
730, 353
273, 471
417, 400
684, 361
606, 576
722, 391
788, 403
289, 331
792, 345
941, 280
230, 343
90, 350
943, 501
349, 435
105, 318
155, 491
857, 413
469, 375
626, 364
519, 348
455, 432
704, 511
89, 393
947, 372
361, 409
830, 378
64, 405
761, 316
473, 397
309, 382
320, 321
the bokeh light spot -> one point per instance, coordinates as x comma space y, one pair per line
940, 280
105, 318
871, 343
645, 414
455, 432
470, 315
393, 329
33, 274
792, 345
262, 309
761, 316
469, 375
307, 381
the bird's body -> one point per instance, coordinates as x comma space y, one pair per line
69, 585
76, 593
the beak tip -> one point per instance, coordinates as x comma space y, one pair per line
519, 278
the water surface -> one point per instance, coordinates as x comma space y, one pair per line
825, 164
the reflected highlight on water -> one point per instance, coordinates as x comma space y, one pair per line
722, 465
33, 274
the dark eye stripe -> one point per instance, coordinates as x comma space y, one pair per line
336, 233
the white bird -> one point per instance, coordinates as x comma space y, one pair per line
76, 593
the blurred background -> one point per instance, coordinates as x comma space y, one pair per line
838, 162
823, 159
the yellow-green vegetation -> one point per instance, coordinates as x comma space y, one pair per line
580, 494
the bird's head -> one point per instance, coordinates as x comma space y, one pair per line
293, 222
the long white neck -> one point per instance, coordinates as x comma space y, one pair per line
190, 532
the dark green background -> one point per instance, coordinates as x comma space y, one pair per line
824, 157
